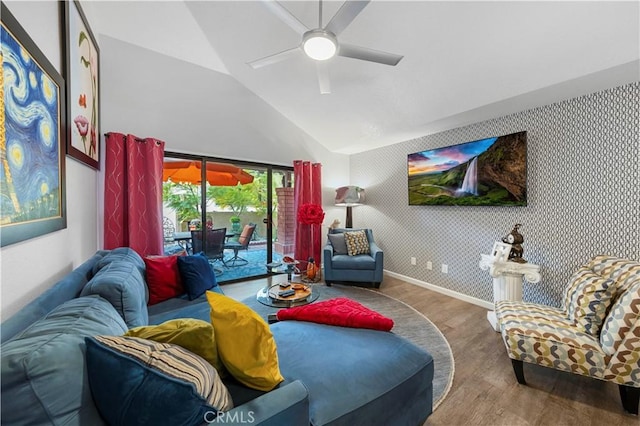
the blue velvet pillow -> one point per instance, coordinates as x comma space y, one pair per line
196, 274
136, 381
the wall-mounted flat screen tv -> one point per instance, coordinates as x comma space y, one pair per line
487, 172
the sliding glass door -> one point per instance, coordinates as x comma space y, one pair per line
205, 194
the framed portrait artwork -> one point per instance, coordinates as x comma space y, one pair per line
32, 137
83, 86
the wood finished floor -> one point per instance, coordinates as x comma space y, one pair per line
485, 391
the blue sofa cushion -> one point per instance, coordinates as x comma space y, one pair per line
182, 307
124, 254
357, 384
156, 383
362, 262
122, 284
196, 274
69, 287
44, 376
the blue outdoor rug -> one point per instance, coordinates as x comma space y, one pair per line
256, 266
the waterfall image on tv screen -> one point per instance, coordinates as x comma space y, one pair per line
487, 172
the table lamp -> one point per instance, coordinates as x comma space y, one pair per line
349, 196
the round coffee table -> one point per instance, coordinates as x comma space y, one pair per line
305, 294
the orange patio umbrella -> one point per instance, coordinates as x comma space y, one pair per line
217, 174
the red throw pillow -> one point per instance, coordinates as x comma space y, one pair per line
339, 311
163, 278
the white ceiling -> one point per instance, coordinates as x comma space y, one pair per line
463, 61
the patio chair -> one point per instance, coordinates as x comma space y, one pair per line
213, 248
168, 230
171, 246
241, 244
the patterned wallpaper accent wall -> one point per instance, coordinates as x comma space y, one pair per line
583, 182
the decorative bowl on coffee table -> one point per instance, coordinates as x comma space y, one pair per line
304, 294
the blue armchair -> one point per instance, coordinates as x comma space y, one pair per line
362, 268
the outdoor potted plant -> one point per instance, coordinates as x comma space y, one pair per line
195, 224
235, 224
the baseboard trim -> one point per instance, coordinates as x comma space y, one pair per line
445, 291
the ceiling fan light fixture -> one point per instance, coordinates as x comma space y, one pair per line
319, 45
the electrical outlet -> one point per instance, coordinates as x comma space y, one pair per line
413, 261
445, 269
430, 266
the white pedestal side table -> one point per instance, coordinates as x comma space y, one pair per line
507, 280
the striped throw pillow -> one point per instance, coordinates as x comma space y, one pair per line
156, 383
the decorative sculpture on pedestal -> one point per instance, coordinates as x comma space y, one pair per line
516, 239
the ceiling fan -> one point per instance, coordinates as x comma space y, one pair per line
322, 43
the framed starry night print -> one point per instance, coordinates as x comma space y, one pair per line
32, 138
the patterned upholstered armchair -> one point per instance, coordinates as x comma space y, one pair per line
595, 334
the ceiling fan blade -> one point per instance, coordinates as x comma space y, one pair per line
347, 13
275, 58
285, 16
323, 78
366, 54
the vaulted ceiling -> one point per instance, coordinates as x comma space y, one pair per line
463, 61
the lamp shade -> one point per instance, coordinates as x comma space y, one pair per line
349, 196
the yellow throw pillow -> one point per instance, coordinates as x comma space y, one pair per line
194, 335
245, 343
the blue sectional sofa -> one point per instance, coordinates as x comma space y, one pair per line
333, 375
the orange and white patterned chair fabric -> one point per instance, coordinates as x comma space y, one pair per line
595, 334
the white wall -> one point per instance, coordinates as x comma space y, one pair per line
192, 108
29, 267
200, 111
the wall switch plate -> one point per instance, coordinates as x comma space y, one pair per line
430, 266
445, 269
413, 261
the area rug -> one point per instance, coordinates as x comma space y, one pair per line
408, 323
255, 266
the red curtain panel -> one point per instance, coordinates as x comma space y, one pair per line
307, 189
133, 193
